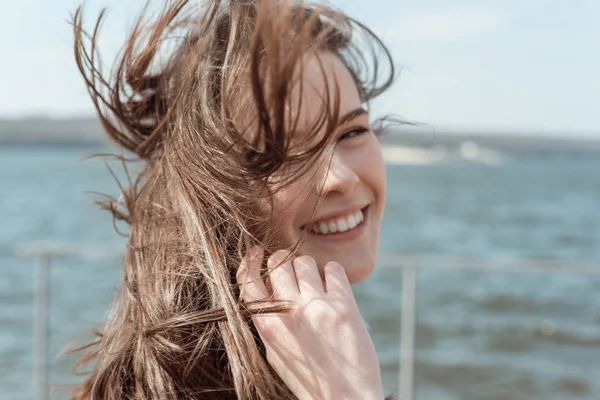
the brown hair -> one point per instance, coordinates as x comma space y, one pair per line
179, 99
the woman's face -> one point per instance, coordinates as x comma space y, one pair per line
350, 179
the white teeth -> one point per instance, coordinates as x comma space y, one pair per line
333, 227
342, 225
339, 225
352, 222
323, 227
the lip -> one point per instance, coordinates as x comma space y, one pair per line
349, 234
349, 210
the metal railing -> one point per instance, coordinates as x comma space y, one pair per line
410, 267
45, 253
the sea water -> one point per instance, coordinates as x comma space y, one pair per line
480, 334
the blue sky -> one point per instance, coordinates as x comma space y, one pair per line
515, 65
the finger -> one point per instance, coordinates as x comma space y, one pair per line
336, 279
282, 276
248, 276
307, 273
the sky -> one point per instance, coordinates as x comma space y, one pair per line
523, 66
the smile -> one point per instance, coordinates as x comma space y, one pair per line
339, 225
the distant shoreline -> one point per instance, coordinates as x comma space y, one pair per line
50, 132
87, 132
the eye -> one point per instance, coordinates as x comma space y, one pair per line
353, 132
252, 156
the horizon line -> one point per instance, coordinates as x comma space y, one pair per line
448, 129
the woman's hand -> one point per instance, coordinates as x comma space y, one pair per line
321, 348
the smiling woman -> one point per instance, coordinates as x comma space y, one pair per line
262, 195
348, 180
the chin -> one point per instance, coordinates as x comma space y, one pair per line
358, 260
358, 271
357, 267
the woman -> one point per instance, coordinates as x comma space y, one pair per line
259, 203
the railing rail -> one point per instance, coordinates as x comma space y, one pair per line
44, 253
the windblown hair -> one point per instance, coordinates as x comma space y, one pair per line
202, 97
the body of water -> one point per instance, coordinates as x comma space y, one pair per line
480, 334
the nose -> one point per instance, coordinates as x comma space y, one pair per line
340, 176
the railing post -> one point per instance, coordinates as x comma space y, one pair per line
41, 325
407, 329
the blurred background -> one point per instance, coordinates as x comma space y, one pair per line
490, 258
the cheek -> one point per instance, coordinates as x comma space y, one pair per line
381, 178
287, 209
374, 173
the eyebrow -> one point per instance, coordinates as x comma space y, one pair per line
350, 115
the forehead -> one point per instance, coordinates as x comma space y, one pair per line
324, 77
